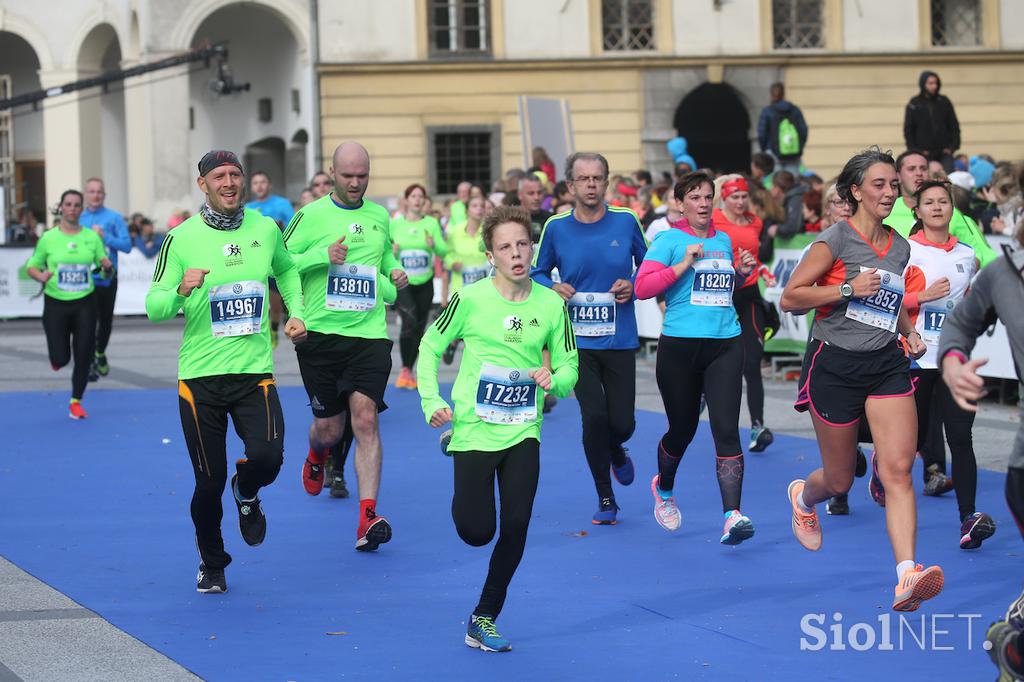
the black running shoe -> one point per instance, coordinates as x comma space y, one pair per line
102, 366
1015, 613
549, 403
445, 441
760, 438
862, 464
838, 506
338, 487
252, 522
377, 533
211, 580
975, 529
449, 354
94, 373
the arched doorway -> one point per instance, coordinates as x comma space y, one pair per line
295, 164
102, 119
264, 53
19, 61
717, 127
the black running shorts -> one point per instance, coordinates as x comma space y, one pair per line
334, 366
839, 382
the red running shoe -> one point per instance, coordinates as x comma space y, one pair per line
312, 477
76, 411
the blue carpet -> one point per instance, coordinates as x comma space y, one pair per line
99, 510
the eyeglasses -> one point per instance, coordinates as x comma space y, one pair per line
589, 179
839, 202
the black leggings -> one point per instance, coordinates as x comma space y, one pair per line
606, 392
749, 308
205, 403
413, 304
685, 369
105, 297
70, 328
935, 409
517, 469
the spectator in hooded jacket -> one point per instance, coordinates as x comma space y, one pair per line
930, 123
772, 129
790, 193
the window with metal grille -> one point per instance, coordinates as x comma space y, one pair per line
627, 25
956, 23
463, 154
798, 24
459, 28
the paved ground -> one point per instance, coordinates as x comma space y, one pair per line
46, 636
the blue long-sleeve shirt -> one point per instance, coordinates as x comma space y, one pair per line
590, 257
115, 231
153, 248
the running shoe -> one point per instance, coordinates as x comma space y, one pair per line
917, 585
737, 529
838, 506
937, 483
76, 411
448, 357
446, 438
102, 366
875, 486
805, 525
549, 403
252, 522
338, 487
94, 374
376, 534
1001, 642
606, 512
312, 477
625, 473
405, 379
862, 464
1015, 613
211, 580
975, 529
760, 438
482, 634
665, 511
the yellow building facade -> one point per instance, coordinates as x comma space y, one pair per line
852, 83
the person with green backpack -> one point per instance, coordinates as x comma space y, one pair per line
782, 131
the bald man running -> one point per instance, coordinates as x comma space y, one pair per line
341, 244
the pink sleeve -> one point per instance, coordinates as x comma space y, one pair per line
653, 278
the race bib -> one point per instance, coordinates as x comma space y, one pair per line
931, 318
470, 275
881, 308
592, 314
713, 280
351, 287
415, 262
506, 396
73, 277
236, 309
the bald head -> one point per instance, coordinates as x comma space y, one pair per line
351, 173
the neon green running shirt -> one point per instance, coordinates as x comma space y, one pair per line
226, 329
468, 251
414, 252
497, 404
70, 258
342, 299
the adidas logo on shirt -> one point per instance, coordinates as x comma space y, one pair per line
255, 244
615, 242
534, 322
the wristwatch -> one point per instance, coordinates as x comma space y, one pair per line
846, 290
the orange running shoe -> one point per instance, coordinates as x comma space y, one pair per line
806, 528
405, 379
917, 585
75, 411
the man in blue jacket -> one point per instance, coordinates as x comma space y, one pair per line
111, 228
782, 131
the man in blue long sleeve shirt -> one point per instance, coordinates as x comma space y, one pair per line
596, 249
110, 226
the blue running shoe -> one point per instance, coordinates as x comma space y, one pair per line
760, 438
446, 438
625, 473
737, 528
481, 634
606, 512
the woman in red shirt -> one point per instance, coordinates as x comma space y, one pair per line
744, 229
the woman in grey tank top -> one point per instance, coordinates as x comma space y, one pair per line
852, 277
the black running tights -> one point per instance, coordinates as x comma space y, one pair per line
414, 302
606, 391
70, 328
749, 308
516, 469
105, 298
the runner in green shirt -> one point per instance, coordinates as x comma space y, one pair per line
505, 322
341, 244
912, 167
62, 262
466, 261
215, 267
418, 239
